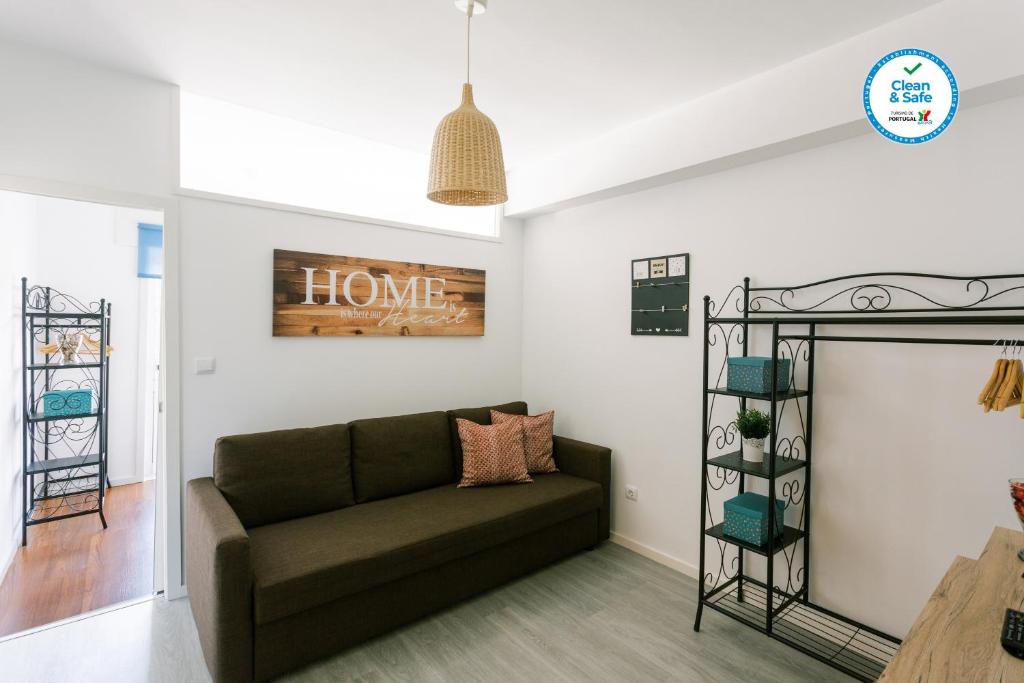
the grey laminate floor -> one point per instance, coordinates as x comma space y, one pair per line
605, 615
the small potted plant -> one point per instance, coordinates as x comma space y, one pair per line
754, 427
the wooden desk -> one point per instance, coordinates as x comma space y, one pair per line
956, 636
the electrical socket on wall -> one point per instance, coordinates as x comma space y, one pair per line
632, 493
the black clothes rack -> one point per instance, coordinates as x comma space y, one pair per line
64, 445
785, 611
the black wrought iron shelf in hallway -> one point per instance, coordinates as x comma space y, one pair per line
65, 401
900, 299
42, 417
69, 463
62, 366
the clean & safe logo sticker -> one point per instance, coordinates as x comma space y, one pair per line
910, 96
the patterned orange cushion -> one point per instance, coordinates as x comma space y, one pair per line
538, 431
492, 454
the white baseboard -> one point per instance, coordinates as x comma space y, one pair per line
121, 481
656, 555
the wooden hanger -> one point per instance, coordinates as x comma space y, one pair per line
993, 382
1017, 394
92, 346
1018, 389
1006, 382
1009, 392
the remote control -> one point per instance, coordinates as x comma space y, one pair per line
1013, 633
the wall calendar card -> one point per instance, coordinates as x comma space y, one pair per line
657, 267
661, 296
641, 270
677, 266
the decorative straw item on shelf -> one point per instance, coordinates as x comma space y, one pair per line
71, 346
66, 346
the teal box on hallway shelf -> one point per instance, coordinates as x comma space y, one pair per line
746, 518
754, 374
67, 402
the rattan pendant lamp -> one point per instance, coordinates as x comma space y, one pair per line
466, 165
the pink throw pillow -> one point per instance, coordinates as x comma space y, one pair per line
538, 438
492, 454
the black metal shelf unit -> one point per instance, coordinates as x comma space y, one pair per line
785, 611
64, 439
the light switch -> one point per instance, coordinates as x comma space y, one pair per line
206, 366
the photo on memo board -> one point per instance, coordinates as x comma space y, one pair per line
661, 296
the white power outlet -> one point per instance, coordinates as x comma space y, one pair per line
632, 493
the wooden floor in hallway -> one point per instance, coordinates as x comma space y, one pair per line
75, 565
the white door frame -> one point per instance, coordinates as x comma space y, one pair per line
168, 565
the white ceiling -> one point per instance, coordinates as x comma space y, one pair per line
549, 72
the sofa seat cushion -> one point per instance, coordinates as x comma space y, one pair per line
303, 563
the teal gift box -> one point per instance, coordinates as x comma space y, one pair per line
746, 518
67, 402
754, 374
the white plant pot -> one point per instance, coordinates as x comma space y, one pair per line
753, 450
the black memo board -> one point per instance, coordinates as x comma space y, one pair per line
661, 296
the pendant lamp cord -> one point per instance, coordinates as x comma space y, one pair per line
469, 21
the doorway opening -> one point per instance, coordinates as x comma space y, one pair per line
82, 431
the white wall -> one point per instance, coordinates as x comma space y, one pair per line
90, 251
66, 120
17, 260
264, 382
908, 472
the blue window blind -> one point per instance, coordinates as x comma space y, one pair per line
151, 248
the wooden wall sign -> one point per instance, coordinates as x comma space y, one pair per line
317, 295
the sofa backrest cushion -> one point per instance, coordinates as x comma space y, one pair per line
275, 476
482, 416
403, 454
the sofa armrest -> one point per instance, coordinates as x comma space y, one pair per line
219, 577
588, 461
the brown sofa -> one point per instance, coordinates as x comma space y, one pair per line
307, 541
